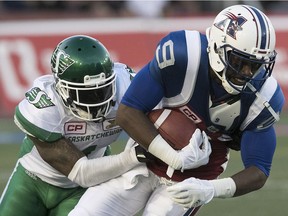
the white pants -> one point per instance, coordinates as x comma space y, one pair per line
127, 196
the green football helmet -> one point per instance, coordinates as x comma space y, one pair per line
84, 76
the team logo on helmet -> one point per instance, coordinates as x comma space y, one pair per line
234, 24
61, 61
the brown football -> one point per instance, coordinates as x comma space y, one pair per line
173, 126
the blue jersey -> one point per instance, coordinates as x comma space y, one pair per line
178, 76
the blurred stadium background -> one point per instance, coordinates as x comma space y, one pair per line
29, 30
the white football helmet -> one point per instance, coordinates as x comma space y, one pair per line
241, 47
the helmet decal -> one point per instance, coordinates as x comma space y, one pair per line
235, 24
61, 64
262, 31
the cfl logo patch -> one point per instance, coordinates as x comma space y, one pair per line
75, 128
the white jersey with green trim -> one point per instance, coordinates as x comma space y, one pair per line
47, 113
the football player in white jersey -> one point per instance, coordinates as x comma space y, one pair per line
222, 81
69, 121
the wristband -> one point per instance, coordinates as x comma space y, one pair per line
162, 150
224, 188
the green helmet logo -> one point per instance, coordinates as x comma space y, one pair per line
62, 61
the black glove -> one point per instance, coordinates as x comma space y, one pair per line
235, 143
142, 155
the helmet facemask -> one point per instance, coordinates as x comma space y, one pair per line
90, 100
242, 68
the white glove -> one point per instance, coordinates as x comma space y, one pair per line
197, 152
192, 192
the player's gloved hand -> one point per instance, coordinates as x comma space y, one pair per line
192, 192
142, 154
197, 152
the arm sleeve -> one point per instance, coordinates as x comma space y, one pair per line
91, 172
257, 149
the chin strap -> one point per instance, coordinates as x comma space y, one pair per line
225, 84
265, 103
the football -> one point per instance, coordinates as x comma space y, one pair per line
173, 126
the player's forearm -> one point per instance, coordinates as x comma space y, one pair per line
249, 180
147, 135
136, 124
61, 154
95, 171
244, 182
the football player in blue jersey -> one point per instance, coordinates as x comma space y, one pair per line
69, 121
221, 80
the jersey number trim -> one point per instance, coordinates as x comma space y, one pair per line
168, 58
